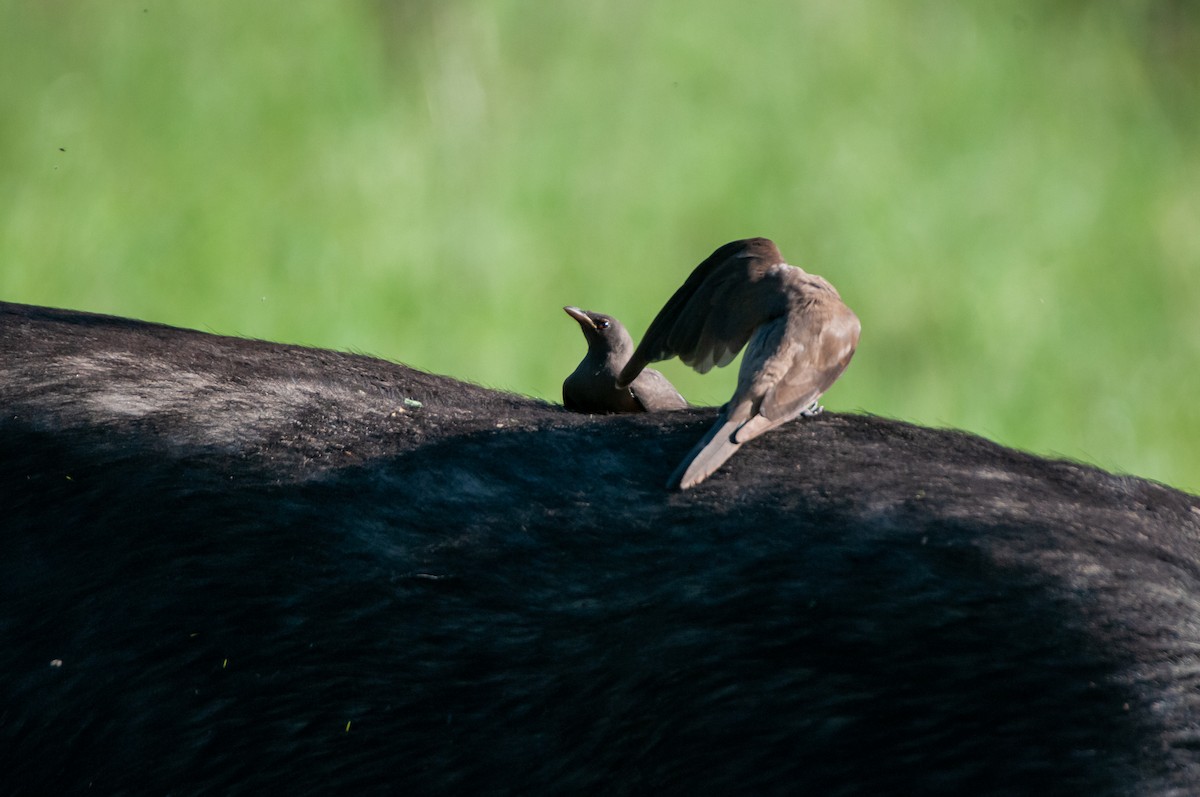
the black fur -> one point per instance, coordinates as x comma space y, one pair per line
235, 567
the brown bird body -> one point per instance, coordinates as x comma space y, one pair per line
799, 337
592, 386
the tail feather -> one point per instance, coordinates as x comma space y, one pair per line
706, 456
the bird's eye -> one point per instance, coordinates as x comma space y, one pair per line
602, 323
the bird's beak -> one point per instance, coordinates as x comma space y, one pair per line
580, 316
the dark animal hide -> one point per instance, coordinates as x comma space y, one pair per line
235, 567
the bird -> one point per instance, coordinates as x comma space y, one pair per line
592, 387
798, 333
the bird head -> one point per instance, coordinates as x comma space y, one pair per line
603, 332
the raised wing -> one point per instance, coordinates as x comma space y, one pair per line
716, 310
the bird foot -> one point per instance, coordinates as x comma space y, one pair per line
812, 410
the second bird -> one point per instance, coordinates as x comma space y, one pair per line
799, 337
592, 387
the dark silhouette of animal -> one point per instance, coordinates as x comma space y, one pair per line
236, 567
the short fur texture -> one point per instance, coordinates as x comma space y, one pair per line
236, 567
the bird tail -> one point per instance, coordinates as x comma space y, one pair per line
707, 455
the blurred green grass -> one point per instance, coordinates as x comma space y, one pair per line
1007, 194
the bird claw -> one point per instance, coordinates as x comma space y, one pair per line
812, 410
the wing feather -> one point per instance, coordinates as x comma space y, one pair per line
708, 320
830, 336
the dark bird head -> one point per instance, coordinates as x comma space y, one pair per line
605, 334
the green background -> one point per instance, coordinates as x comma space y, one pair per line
1008, 194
